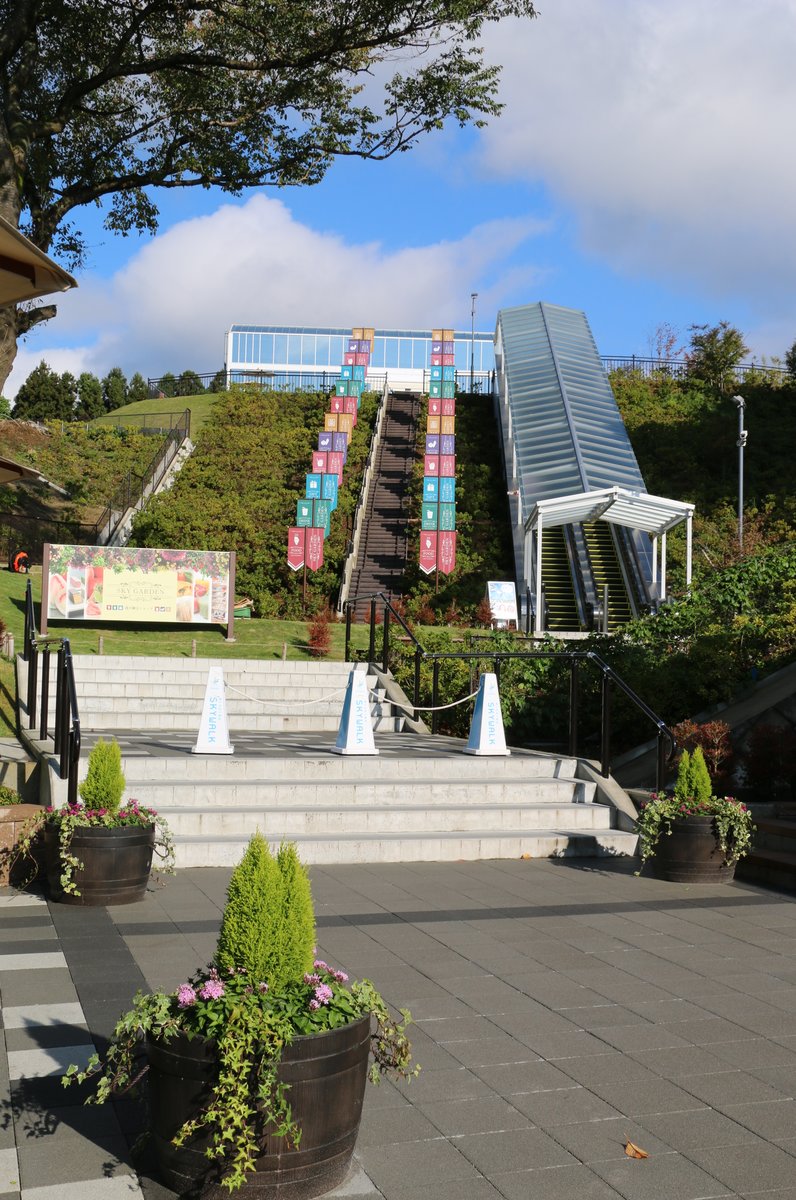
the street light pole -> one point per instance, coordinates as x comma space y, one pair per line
742, 436
473, 298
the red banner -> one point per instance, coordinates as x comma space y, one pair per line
428, 552
295, 548
314, 549
430, 464
447, 551
319, 461
447, 465
448, 408
434, 407
337, 404
334, 465
350, 404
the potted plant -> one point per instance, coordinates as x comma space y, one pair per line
100, 851
257, 1066
692, 835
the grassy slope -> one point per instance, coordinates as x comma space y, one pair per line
200, 407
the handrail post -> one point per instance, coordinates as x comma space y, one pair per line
434, 696
573, 707
372, 642
605, 732
29, 622
386, 642
32, 669
45, 691
347, 632
498, 661
416, 698
59, 691
660, 766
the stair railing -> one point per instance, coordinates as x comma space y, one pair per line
609, 680
135, 488
66, 726
352, 548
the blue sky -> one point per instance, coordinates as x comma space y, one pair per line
642, 171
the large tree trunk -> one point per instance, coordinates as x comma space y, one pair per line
8, 341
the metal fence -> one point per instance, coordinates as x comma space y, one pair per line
678, 368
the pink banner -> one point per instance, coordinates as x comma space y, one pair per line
430, 464
447, 551
447, 465
428, 552
337, 404
295, 548
319, 461
350, 403
435, 408
314, 549
448, 408
334, 465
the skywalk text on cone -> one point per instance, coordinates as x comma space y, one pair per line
214, 729
355, 735
487, 735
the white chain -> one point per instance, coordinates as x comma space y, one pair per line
341, 691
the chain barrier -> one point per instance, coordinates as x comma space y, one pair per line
341, 691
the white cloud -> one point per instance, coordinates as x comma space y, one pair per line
168, 308
667, 129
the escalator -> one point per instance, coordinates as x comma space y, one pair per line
561, 608
607, 571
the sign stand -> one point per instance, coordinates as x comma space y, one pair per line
487, 736
214, 730
355, 735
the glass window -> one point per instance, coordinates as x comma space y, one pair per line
280, 348
294, 348
236, 347
337, 348
308, 350
377, 358
266, 348
404, 352
390, 352
420, 352
461, 352
322, 350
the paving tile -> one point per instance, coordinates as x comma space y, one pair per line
117, 1187
663, 1175
781, 1078
500, 1049
389, 1126
398, 1171
479, 1115
77, 1144
9, 1171
554, 1183
509, 1079
756, 1052
697, 1128
724, 1088
752, 1165
599, 1141
456, 1084
773, 1120
53, 985
645, 1096
611, 1067
475, 1188
680, 1061
512, 1150
631, 1038
567, 1106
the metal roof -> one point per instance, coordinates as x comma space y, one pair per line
619, 506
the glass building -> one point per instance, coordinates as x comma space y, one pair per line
403, 355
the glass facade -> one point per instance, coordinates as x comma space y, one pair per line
285, 348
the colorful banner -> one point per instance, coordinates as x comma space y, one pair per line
430, 465
428, 552
447, 464
432, 444
329, 490
337, 403
447, 552
319, 461
447, 425
434, 407
448, 407
433, 425
447, 490
502, 600
312, 490
314, 549
110, 583
321, 514
345, 423
295, 548
330, 422
431, 489
325, 441
447, 516
428, 519
448, 444
304, 514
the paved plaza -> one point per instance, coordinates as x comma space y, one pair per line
562, 1007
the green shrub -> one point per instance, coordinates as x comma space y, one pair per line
693, 779
103, 786
9, 796
268, 928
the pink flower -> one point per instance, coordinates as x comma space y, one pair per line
323, 993
186, 996
213, 989
314, 1004
312, 978
320, 965
340, 976
262, 987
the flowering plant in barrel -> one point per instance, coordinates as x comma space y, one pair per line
692, 813
100, 851
246, 1031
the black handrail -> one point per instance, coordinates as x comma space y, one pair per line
66, 727
609, 678
133, 486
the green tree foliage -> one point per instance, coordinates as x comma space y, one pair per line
168, 385
218, 382
714, 353
90, 401
790, 361
5, 408
239, 488
107, 99
137, 389
114, 389
268, 927
46, 396
189, 384
103, 786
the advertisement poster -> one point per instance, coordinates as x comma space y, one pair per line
502, 601
109, 583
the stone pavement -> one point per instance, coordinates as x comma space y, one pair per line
562, 1008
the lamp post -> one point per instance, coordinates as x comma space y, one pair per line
473, 298
742, 436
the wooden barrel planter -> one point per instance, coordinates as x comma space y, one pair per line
692, 853
327, 1073
116, 864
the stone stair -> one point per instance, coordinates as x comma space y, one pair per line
772, 859
421, 798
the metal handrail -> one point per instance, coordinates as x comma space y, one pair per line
352, 546
134, 487
666, 741
66, 726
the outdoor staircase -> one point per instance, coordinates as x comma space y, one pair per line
772, 859
421, 798
384, 543
606, 570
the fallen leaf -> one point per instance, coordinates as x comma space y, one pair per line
526, 856
634, 1151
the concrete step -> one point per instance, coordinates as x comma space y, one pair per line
111, 719
466, 846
